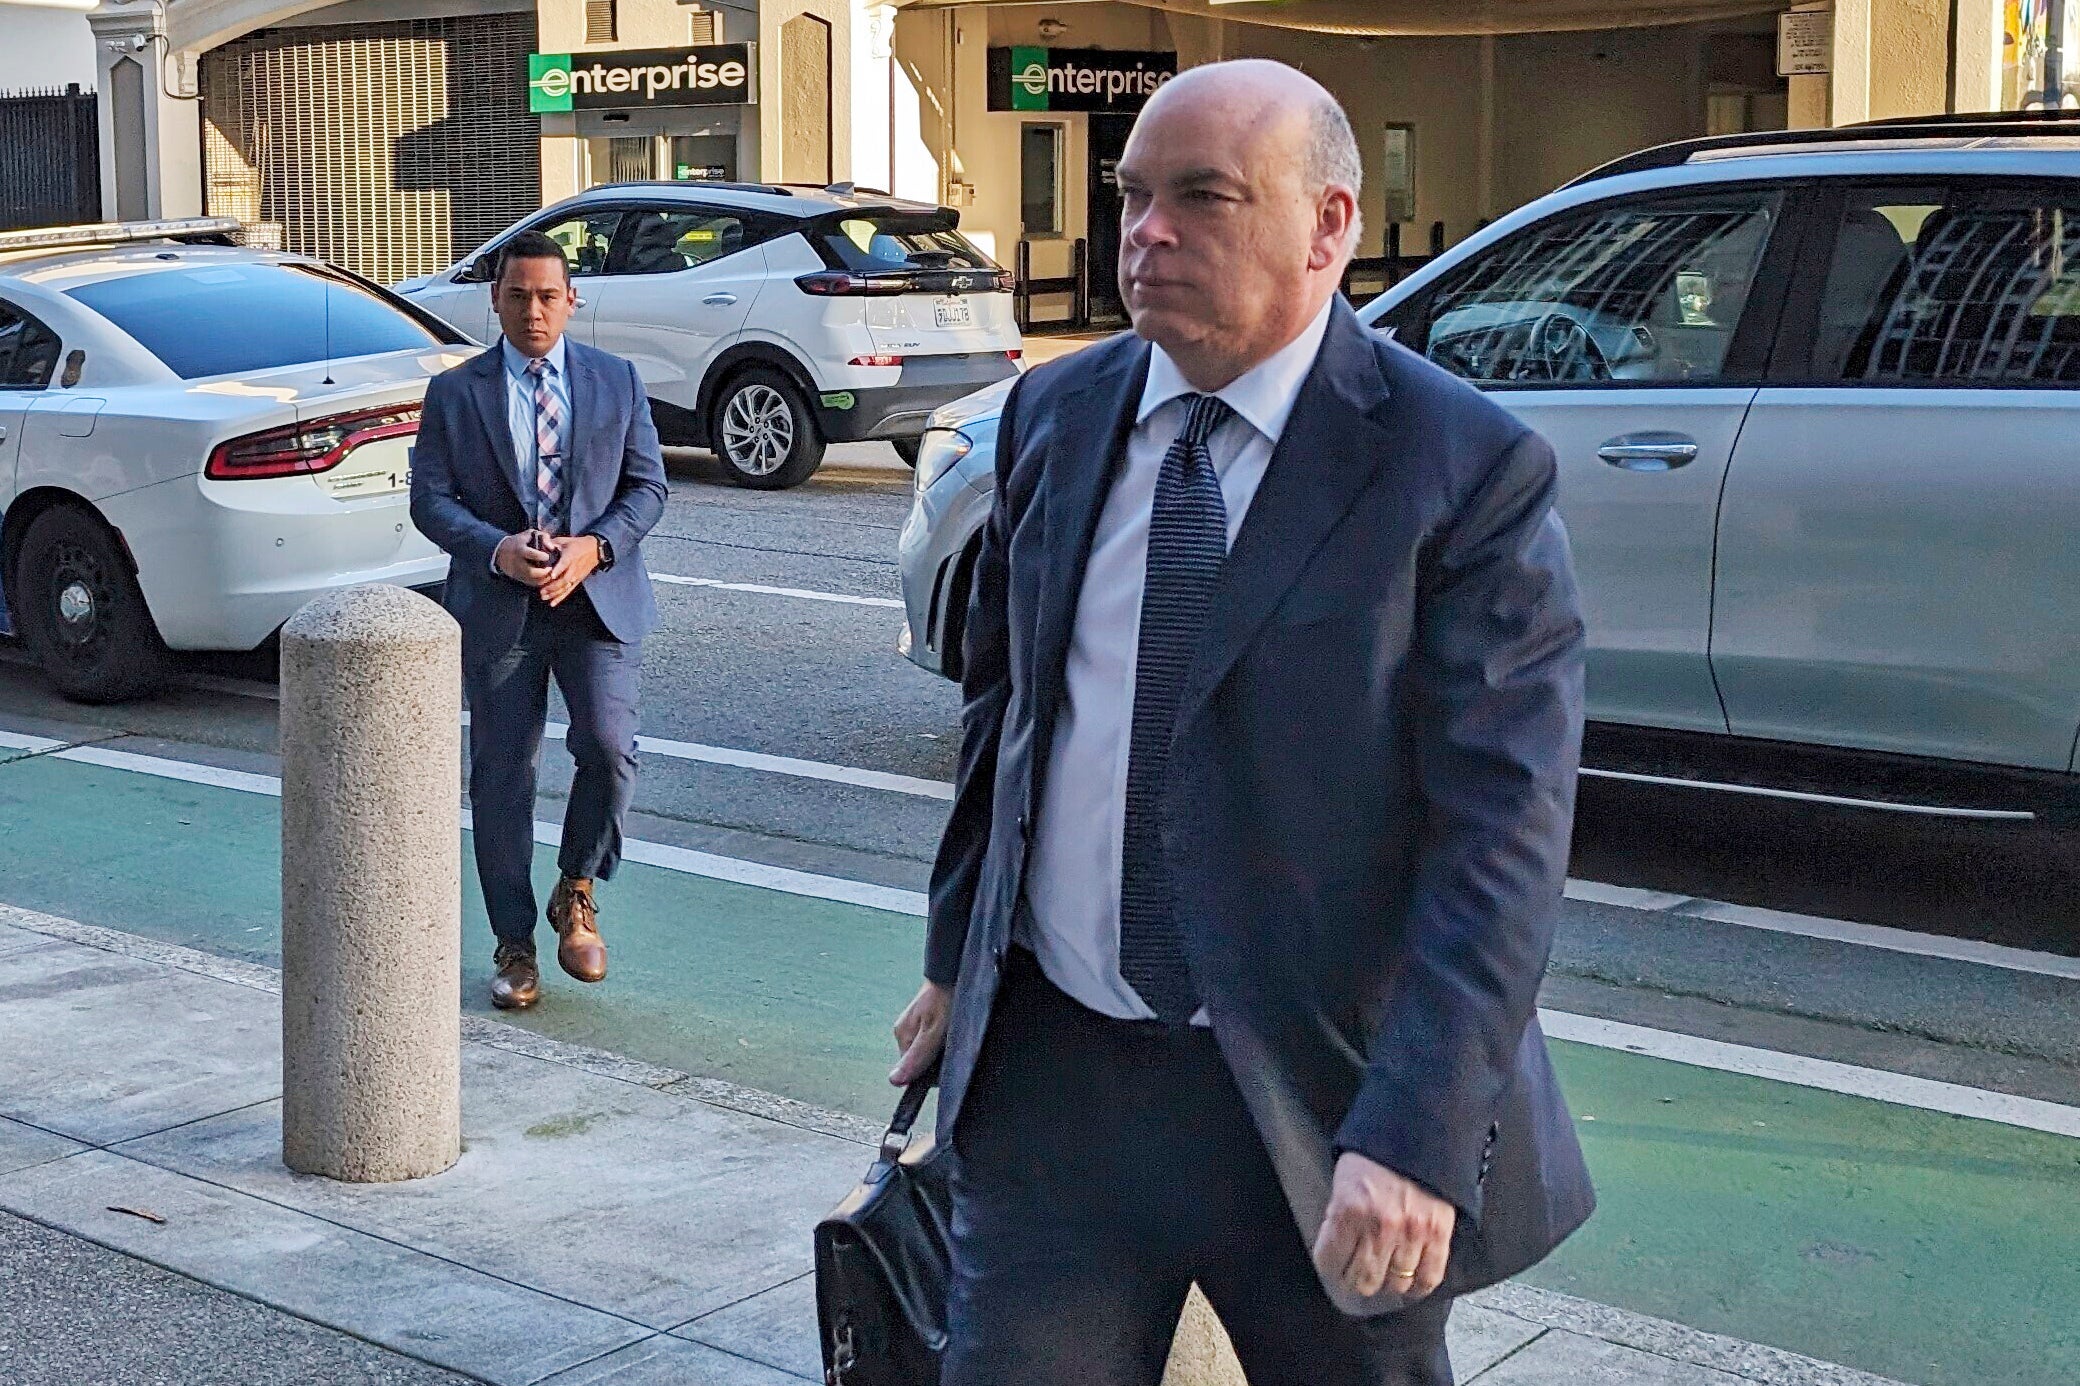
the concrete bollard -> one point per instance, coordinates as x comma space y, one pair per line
371, 887
1200, 1354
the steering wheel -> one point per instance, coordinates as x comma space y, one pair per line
1560, 348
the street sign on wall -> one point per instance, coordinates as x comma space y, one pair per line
1076, 79
1805, 43
722, 74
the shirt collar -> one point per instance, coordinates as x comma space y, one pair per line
516, 360
1264, 395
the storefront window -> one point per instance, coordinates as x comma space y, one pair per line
631, 159
1040, 180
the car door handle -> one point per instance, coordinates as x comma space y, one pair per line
720, 300
1649, 452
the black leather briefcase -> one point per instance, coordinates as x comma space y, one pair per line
881, 1263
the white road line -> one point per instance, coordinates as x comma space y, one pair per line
1878, 1084
798, 593
1899, 1089
1964, 950
1630, 897
753, 873
781, 765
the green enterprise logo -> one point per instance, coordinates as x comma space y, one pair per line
548, 82
1028, 79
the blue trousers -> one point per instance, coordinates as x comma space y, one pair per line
1103, 1166
509, 701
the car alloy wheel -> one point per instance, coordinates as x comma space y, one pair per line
758, 429
763, 431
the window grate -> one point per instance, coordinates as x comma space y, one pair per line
602, 21
386, 148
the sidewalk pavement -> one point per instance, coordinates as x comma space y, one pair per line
610, 1223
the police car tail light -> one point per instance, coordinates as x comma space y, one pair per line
304, 449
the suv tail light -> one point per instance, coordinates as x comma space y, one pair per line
838, 284
304, 449
841, 284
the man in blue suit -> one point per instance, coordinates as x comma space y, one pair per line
537, 469
1273, 707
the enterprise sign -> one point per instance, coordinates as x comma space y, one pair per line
1076, 79
719, 75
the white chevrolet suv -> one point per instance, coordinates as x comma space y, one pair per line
768, 320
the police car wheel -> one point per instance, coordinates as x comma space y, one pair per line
763, 431
82, 615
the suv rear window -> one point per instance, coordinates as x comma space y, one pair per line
223, 318
895, 242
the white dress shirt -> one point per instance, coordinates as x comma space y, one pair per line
1073, 883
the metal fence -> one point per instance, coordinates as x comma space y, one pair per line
50, 158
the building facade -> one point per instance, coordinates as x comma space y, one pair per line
393, 136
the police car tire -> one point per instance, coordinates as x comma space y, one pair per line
762, 384
124, 658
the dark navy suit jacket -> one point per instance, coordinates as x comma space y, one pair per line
1371, 786
466, 493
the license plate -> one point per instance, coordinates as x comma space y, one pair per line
953, 312
380, 468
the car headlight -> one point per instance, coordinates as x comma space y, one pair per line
937, 451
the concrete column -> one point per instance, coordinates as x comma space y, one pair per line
1200, 1354
151, 130
1981, 34
371, 887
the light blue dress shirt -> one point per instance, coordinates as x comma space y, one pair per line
520, 413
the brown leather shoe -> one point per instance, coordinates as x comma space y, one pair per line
579, 948
518, 984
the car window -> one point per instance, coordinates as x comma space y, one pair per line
227, 317
660, 241
28, 350
1646, 291
585, 239
1973, 287
884, 242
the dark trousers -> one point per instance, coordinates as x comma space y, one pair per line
1103, 1166
509, 703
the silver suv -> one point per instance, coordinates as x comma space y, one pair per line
1816, 399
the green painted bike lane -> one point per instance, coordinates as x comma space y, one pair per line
1930, 1248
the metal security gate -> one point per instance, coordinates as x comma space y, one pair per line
389, 148
50, 159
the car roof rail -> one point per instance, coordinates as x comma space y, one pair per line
223, 230
1961, 125
694, 185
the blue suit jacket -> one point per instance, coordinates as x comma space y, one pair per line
1371, 787
466, 492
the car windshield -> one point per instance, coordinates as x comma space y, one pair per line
223, 318
883, 242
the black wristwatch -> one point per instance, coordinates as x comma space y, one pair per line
606, 553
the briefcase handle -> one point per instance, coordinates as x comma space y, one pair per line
897, 1138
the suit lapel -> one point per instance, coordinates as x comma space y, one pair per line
584, 394
489, 389
1333, 445
1084, 455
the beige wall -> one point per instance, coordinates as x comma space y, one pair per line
1497, 122
569, 162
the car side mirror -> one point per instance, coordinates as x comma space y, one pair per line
481, 270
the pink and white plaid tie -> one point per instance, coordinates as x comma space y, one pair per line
548, 469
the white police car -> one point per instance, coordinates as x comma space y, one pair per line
196, 438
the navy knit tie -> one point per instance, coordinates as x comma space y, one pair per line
1187, 544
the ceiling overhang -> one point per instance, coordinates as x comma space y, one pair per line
1440, 18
